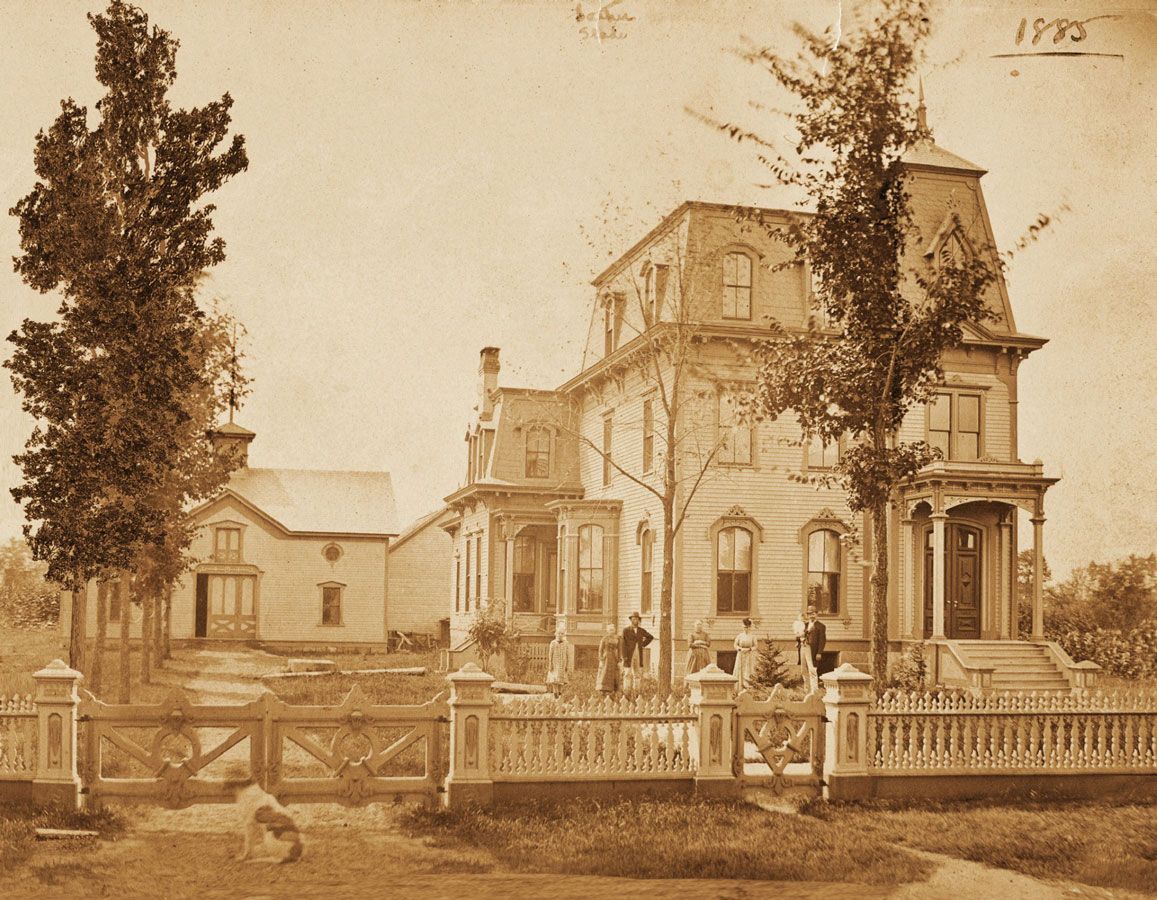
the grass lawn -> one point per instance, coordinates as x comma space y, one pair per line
669, 839
318, 690
24, 651
18, 822
1112, 846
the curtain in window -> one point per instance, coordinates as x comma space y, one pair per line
733, 570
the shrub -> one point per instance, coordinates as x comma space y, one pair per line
772, 668
1130, 654
910, 671
491, 633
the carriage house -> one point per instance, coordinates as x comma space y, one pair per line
290, 556
552, 523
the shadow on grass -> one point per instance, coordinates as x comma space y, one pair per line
1098, 843
669, 839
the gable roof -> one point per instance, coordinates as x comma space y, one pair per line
319, 502
419, 525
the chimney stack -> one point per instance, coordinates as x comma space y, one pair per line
487, 381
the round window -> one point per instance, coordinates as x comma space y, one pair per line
332, 552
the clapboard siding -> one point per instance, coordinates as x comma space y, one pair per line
417, 579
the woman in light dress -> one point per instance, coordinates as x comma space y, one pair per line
745, 644
697, 648
609, 679
558, 662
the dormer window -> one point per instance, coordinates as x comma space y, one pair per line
737, 286
537, 452
654, 291
954, 250
227, 543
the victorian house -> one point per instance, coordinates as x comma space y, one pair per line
555, 523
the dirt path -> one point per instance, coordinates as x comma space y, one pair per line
219, 676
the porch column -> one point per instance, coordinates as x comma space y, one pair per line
508, 577
1007, 578
907, 564
938, 520
1038, 556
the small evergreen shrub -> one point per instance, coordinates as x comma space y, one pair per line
772, 667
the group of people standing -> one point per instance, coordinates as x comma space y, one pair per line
621, 655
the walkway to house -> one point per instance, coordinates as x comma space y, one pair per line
219, 675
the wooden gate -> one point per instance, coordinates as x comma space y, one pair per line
177, 753
779, 742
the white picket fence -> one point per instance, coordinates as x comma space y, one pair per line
597, 738
1013, 732
18, 727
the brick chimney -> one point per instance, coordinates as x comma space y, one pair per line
487, 381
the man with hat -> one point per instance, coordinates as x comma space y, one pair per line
635, 638
814, 637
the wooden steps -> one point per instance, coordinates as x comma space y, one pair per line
1017, 665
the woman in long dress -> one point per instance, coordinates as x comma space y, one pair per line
697, 648
744, 657
609, 678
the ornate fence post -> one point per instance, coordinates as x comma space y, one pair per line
468, 780
56, 701
713, 698
848, 697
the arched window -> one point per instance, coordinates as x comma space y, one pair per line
737, 286
537, 452
647, 554
525, 549
590, 568
733, 570
824, 556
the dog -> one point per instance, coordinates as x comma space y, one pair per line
267, 829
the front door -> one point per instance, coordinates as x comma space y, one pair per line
962, 574
201, 622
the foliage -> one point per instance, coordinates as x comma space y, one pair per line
491, 632
772, 667
115, 224
669, 839
910, 673
1104, 612
27, 598
1125, 654
889, 317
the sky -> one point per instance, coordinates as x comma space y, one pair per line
426, 180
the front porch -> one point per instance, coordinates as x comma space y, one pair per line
958, 591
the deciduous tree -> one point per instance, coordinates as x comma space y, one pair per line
115, 224
888, 317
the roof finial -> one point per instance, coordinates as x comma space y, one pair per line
922, 115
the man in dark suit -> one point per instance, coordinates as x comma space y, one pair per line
635, 638
815, 633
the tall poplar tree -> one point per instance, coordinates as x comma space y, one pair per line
117, 226
889, 317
